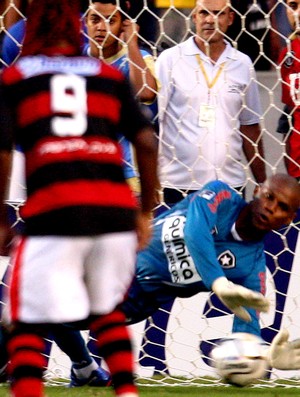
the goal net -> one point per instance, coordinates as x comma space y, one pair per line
172, 347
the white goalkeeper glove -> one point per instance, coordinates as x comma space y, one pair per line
283, 354
235, 296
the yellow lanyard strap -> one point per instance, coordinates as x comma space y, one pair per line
210, 84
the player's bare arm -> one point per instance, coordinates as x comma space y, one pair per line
141, 76
254, 151
146, 154
5, 230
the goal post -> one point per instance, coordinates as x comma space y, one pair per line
173, 345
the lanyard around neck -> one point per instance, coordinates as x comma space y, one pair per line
209, 83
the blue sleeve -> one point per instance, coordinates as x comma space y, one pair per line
85, 49
252, 327
10, 48
206, 209
128, 158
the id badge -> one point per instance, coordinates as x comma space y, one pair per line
207, 116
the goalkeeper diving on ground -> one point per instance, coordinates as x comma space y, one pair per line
213, 240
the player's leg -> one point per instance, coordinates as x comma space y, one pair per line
49, 301
107, 284
85, 370
13, 206
3, 334
114, 345
3, 355
26, 346
140, 303
137, 306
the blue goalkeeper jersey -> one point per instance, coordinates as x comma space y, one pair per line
195, 242
192, 245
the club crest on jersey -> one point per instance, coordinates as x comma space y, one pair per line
289, 60
227, 260
207, 194
295, 88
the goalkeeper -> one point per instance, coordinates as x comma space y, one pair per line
207, 239
213, 240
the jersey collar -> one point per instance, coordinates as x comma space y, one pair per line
235, 234
113, 58
189, 47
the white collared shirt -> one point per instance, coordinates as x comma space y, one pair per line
190, 155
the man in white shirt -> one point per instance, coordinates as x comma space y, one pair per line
209, 109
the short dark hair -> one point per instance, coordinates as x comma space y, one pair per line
123, 4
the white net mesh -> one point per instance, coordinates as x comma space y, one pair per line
171, 346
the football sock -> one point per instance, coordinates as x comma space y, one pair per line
27, 363
84, 370
3, 349
114, 346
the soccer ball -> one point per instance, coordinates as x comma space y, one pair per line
240, 359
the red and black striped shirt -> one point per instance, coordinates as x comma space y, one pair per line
65, 113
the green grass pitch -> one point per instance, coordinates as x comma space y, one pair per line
168, 391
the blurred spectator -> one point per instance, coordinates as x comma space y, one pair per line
12, 42
136, 64
290, 72
251, 30
18, 10
14, 13
280, 21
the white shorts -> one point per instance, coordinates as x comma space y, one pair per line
59, 279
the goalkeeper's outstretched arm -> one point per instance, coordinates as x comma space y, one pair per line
235, 297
